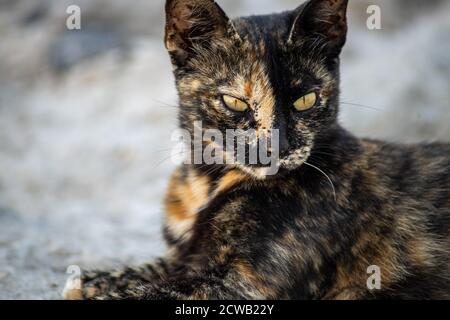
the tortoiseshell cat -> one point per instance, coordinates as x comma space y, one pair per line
338, 204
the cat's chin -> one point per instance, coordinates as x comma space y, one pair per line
270, 172
262, 173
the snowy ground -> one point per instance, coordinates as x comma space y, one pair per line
86, 118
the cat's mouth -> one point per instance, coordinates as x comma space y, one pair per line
279, 166
295, 159
259, 167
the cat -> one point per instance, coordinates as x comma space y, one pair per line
337, 207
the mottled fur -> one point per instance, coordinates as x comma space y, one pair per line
338, 205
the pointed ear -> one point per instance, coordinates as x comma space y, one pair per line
191, 23
321, 20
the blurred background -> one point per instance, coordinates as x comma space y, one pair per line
86, 118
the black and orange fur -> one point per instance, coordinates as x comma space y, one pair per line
338, 205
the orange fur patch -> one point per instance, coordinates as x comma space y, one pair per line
185, 197
230, 180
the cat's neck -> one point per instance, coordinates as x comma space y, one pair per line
335, 147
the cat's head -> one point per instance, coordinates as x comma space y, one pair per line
269, 72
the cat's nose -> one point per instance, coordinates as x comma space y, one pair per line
283, 141
279, 142
283, 144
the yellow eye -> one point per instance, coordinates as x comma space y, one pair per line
235, 104
306, 102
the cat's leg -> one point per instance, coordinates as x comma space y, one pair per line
228, 282
202, 287
206, 287
220, 283
119, 284
222, 279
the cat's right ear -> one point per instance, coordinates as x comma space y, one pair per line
191, 24
322, 22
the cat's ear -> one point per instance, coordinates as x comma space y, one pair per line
191, 24
322, 21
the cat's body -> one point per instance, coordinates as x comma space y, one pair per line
290, 238
338, 207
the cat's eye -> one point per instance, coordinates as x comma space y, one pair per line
306, 102
235, 104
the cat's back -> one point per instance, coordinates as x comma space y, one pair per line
417, 178
415, 169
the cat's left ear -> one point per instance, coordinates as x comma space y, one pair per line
194, 24
321, 20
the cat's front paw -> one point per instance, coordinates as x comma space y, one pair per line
92, 285
73, 290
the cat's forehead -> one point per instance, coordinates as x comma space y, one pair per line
265, 41
273, 28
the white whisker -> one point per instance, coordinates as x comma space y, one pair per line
329, 179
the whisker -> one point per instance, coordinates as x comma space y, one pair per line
164, 150
329, 179
165, 104
361, 105
167, 158
323, 153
